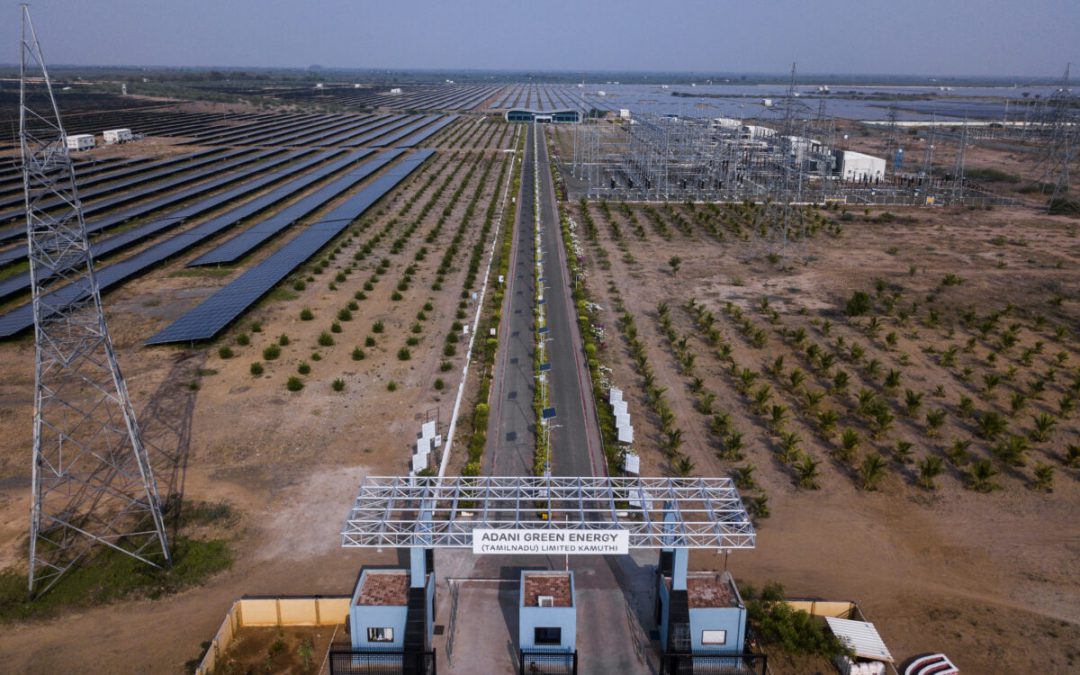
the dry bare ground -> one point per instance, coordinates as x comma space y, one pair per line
988, 577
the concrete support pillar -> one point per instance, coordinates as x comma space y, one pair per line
680, 566
417, 567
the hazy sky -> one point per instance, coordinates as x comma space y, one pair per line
934, 37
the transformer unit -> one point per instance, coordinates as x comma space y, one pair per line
79, 142
113, 136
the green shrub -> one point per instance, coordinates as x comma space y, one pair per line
445, 366
396, 296
358, 354
344, 314
391, 386
272, 352
306, 314
256, 369
325, 339
369, 341
439, 384
794, 631
404, 354
294, 383
283, 340
338, 384
412, 340
303, 368
335, 327
377, 327
225, 352
859, 304
243, 340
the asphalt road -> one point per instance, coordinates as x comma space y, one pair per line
576, 444
511, 424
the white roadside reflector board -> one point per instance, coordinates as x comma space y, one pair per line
620, 407
626, 434
614, 395
622, 419
632, 464
419, 462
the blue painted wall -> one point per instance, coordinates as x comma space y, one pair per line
531, 618
730, 619
362, 617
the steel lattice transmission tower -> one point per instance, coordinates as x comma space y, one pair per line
92, 480
1059, 125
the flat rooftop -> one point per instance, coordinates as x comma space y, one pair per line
389, 587
706, 590
709, 590
555, 584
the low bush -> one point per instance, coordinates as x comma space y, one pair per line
294, 383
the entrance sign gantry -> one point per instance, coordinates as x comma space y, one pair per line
656, 513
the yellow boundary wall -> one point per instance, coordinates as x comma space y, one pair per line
293, 611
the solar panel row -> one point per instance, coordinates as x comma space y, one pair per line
428, 132
22, 317
121, 189
219, 310
21, 282
98, 224
260, 233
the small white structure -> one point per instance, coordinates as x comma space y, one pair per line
395, 90
859, 167
319, 85
113, 136
752, 132
624, 113
79, 142
725, 123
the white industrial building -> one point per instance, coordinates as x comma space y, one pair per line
751, 132
856, 166
79, 142
113, 136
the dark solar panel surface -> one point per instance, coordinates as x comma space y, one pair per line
390, 139
21, 282
22, 317
121, 192
261, 232
19, 252
428, 132
220, 309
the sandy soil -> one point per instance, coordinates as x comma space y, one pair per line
953, 569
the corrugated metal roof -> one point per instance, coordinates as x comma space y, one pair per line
862, 637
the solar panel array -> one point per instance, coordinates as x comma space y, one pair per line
219, 310
21, 318
259, 234
102, 247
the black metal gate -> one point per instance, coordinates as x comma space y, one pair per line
713, 664
543, 662
379, 662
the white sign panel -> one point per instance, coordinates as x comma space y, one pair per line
549, 541
614, 395
427, 430
620, 408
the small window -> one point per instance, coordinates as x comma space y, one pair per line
547, 636
713, 637
380, 634
545, 601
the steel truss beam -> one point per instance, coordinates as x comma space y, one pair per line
430, 512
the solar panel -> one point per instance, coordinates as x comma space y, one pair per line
254, 237
390, 139
614, 395
21, 318
427, 132
207, 319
